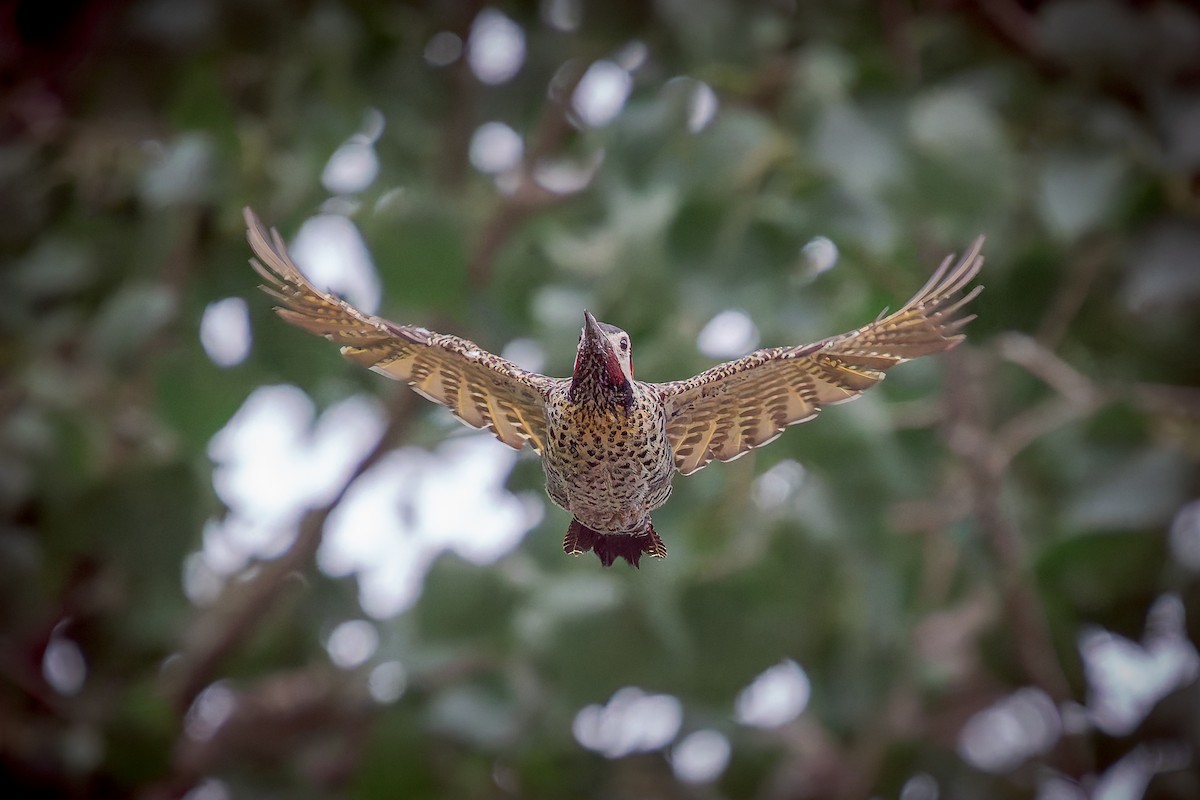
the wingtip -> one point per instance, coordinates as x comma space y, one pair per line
972, 261
255, 230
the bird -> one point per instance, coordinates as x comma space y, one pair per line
611, 445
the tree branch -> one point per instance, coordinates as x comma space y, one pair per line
984, 463
215, 635
529, 196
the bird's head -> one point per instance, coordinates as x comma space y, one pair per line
603, 365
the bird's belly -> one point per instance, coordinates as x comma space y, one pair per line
609, 481
615, 497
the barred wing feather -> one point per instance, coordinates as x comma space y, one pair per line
481, 389
727, 410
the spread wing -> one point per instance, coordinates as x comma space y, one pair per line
734, 407
483, 390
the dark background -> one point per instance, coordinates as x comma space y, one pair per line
973, 568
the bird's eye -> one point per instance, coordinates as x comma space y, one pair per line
624, 344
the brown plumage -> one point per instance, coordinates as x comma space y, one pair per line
610, 444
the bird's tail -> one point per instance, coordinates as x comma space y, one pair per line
608, 547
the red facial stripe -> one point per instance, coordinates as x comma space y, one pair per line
613, 364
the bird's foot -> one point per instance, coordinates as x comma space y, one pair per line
608, 547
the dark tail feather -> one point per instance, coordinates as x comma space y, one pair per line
655, 547
608, 547
579, 539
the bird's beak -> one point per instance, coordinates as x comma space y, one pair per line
594, 343
592, 335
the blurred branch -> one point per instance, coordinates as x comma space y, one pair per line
1081, 274
86, 596
984, 457
130, 398
819, 765
215, 635
1013, 24
970, 439
457, 126
897, 18
1076, 396
1174, 411
317, 711
324, 713
1157, 398
1041, 362
529, 197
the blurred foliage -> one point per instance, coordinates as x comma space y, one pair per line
953, 538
